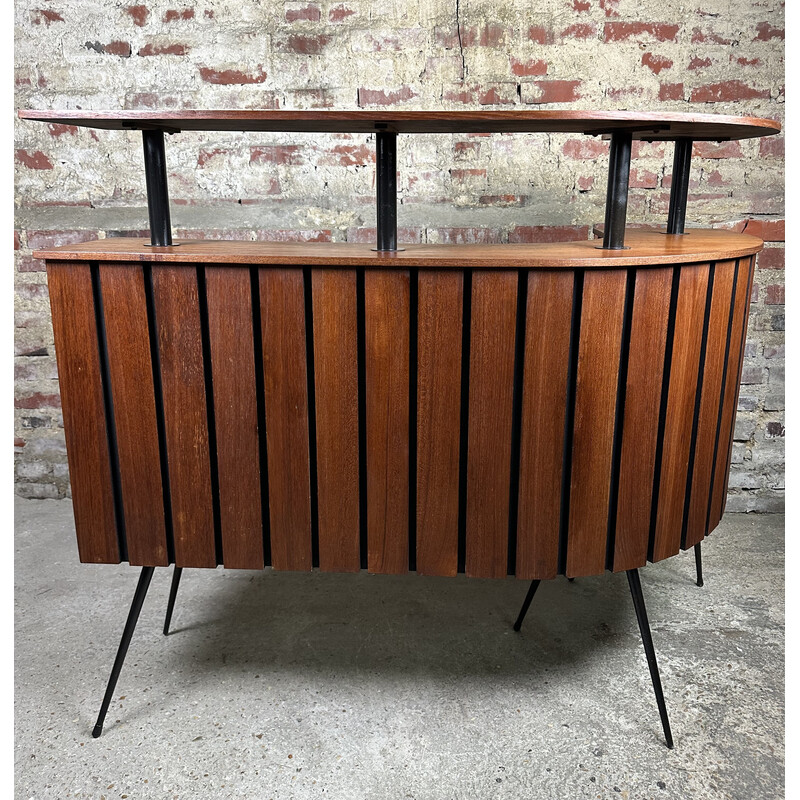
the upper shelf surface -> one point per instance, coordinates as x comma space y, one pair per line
648, 126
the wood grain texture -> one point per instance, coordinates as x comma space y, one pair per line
544, 397
82, 404
595, 404
130, 369
646, 246
689, 316
719, 491
175, 295
439, 332
336, 389
708, 417
230, 327
283, 325
640, 424
387, 326
491, 391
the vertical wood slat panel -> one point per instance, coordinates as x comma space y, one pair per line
640, 425
283, 326
491, 388
544, 397
230, 325
595, 403
741, 310
131, 372
83, 407
709, 401
176, 299
439, 332
336, 390
387, 325
689, 316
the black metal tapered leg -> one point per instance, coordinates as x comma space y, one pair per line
647, 640
698, 562
127, 633
526, 605
173, 593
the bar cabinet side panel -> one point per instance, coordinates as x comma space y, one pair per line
230, 324
131, 372
335, 327
439, 334
176, 300
81, 389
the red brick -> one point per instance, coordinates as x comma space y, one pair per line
656, 63
277, 154
771, 146
16, 240
770, 230
463, 175
38, 400
698, 63
610, 7
540, 35
717, 150
351, 155
56, 129
207, 153
501, 94
139, 14
35, 160
466, 235
173, 15
459, 95
583, 183
581, 5
307, 45
339, 13
772, 258
642, 179
767, 32
579, 30
44, 240
708, 37
670, 91
539, 92
117, 48
174, 49
727, 91
18, 443
585, 148
775, 295
463, 151
747, 62
302, 13
30, 264
621, 31
528, 68
379, 97
525, 234
232, 76
45, 15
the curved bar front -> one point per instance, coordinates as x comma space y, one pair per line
531, 410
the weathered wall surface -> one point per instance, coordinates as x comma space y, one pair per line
723, 56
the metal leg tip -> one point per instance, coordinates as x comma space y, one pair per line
700, 582
669, 743
166, 630
517, 627
98, 730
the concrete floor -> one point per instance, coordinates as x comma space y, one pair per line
280, 685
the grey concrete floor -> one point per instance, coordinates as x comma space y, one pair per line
286, 685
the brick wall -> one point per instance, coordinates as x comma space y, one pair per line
722, 56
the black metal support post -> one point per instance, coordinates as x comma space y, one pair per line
698, 562
173, 593
155, 172
386, 165
679, 191
619, 168
647, 640
526, 605
133, 616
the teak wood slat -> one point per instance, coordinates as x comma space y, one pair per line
230, 326
544, 397
387, 324
176, 299
336, 381
491, 388
81, 386
439, 336
598, 368
283, 326
130, 369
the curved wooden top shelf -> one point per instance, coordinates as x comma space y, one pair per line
647, 247
647, 126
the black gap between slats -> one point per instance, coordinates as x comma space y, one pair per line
722, 395
312, 416
158, 391
662, 412
516, 418
569, 418
466, 325
108, 402
619, 418
361, 329
697, 403
412, 416
258, 353
202, 296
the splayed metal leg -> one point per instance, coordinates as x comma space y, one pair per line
698, 562
526, 605
173, 593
